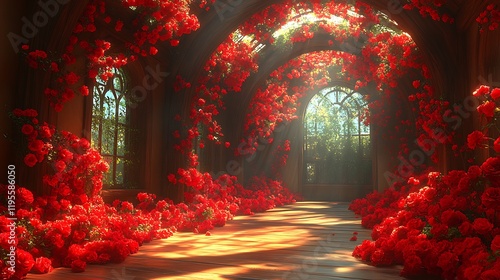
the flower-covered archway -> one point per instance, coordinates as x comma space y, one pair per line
369, 65
235, 92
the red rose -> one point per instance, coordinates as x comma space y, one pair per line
473, 272
71, 78
30, 160
91, 28
32, 113
36, 145
84, 90
45, 131
24, 197
491, 198
142, 197
27, 129
67, 94
78, 266
482, 90
491, 170
474, 171
78, 236
496, 145
120, 252
119, 25
482, 226
172, 179
60, 165
42, 265
448, 261
24, 262
475, 139
453, 218
495, 244
495, 93
490, 274
412, 265
466, 229
133, 246
153, 50
487, 109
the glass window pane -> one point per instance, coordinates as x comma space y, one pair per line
337, 143
119, 171
120, 142
111, 132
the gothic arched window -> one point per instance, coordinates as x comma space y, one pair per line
112, 133
337, 146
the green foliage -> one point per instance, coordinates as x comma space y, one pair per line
337, 142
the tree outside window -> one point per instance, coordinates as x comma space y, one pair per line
112, 133
337, 147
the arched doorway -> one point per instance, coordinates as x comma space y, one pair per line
337, 148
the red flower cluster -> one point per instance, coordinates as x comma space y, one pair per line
77, 168
446, 225
489, 18
73, 227
429, 8
489, 109
155, 22
221, 80
55, 232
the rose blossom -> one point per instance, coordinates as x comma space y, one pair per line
24, 262
495, 93
491, 274
24, 197
482, 90
487, 109
495, 244
78, 266
491, 198
42, 265
491, 170
27, 129
475, 139
36, 145
30, 160
472, 272
482, 226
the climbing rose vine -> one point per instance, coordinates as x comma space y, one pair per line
154, 22
439, 224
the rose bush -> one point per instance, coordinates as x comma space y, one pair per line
446, 225
71, 226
